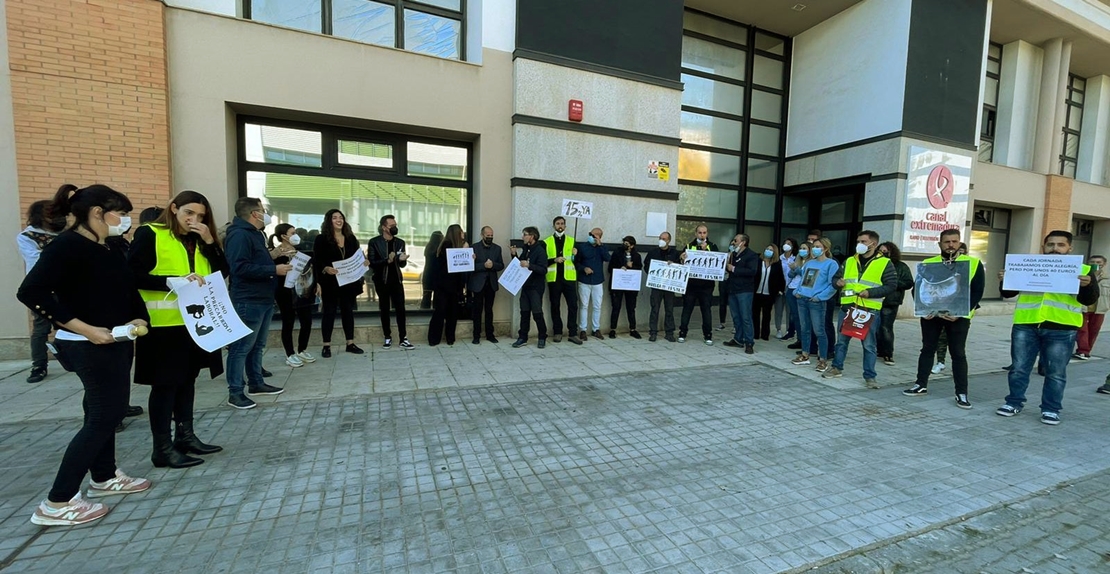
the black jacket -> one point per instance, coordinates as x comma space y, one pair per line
745, 274
482, 277
700, 284
326, 252
378, 254
905, 283
617, 261
536, 256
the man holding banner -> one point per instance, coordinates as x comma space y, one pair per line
1045, 323
661, 255
698, 291
562, 280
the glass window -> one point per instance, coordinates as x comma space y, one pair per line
1075, 119
300, 14
990, 94
700, 165
455, 5
763, 140
766, 106
719, 233
707, 201
795, 210
714, 27
718, 96
225, 7
994, 67
759, 206
769, 43
711, 131
1071, 145
763, 173
990, 248
283, 146
370, 22
768, 72
434, 35
986, 151
836, 209
712, 58
759, 237
427, 160
365, 154
1068, 169
994, 51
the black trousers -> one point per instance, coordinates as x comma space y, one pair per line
445, 317
290, 315
170, 403
391, 294
481, 304
722, 301
629, 300
884, 342
704, 299
666, 298
956, 331
569, 291
330, 298
105, 373
762, 307
531, 307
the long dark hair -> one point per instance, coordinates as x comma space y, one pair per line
280, 230
78, 202
328, 231
452, 238
169, 219
895, 254
793, 245
38, 216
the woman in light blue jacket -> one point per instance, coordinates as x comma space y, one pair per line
812, 295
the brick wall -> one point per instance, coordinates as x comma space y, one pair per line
89, 93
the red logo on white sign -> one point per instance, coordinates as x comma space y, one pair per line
940, 187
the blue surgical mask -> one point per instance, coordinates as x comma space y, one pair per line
731, 248
803, 253
768, 253
591, 240
818, 251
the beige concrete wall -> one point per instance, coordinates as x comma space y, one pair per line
1019, 190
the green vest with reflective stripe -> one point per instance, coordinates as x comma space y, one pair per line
170, 260
973, 264
569, 273
1060, 308
872, 277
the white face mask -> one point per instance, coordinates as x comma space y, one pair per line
121, 228
294, 240
267, 219
662, 244
861, 249
558, 234
786, 248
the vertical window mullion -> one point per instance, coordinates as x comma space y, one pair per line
325, 17
399, 26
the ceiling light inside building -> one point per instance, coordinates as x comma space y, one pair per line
798, 7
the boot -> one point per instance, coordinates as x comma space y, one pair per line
187, 443
165, 455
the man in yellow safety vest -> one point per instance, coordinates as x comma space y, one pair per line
562, 281
1046, 324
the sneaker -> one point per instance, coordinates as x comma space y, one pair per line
682, 339
917, 390
574, 340
354, 350
888, 360
294, 361
1083, 356
520, 343
937, 368
597, 334
583, 335
709, 342
634, 334
783, 336
670, 338
121, 484
541, 343
76, 511
871, 383
265, 390
800, 360
720, 326
38, 375
1007, 411
822, 366
406, 345
266, 374
732, 343
1050, 418
795, 345
240, 401
306, 357
133, 411
1103, 390
387, 344
475, 340
832, 373
492, 339
559, 339
962, 402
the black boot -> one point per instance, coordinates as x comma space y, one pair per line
165, 455
186, 442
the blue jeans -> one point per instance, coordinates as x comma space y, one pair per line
246, 353
811, 317
741, 306
1055, 347
792, 304
870, 350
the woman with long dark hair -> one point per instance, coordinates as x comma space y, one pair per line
283, 246
177, 248
336, 242
86, 289
447, 289
885, 339
40, 231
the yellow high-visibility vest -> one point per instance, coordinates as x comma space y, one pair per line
1061, 308
171, 260
872, 278
973, 263
569, 272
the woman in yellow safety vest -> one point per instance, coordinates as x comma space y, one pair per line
179, 247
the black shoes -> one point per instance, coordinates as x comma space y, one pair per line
266, 374
476, 341
326, 352
612, 333
652, 337
240, 401
187, 442
749, 349
732, 343
38, 375
597, 335
634, 334
133, 411
917, 390
520, 343
669, 337
265, 390
541, 343
794, 345
492, 339
353, 349
166, 455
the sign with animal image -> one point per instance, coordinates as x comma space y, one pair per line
706, 264
209, 316
460, 260
942, 288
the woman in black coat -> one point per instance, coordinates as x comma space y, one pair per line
624, 257
447, 289
336, 242
770, 283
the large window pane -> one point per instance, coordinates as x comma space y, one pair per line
705, 166
990, 248
766, 106
769, 43
986, 151
836, 210
370, 22
455, 5
299, 14
427, 160
1075, 118
365, 154
763, 173
990, 92
759, 237
795, 210
283, 146
759, 206
994, 67
701, 201
718, 96
712, 58
435, 35
1071, 145
764, 140
767, 72
711, 131
714, 27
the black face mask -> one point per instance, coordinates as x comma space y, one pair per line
393, 230
488, 241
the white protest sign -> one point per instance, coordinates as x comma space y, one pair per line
460, 260
209, 316
670, 277
350, 269
1043, 273
626, 279
706, 264
577, 209
514, 276
299, 262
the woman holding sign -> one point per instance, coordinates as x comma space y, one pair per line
336, 242
293, 308
624, 258
178, 247
447, 289
812, 295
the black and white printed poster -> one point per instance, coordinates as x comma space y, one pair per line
942, 288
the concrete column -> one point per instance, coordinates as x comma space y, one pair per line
1094, 133
1051, 92
1061, 108
1018, 99
1057, 203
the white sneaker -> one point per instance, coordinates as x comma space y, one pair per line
121, 484
721, 327
294, 361
306, 357
937, 368
76, 511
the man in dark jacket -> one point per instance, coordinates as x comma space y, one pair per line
253, 277
387, 257
743, 272
482, 285
885, 342
589, 262
533, 257
698, 291
663, 254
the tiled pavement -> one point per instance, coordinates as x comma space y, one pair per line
704, 462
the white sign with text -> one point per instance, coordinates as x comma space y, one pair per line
670, 277
350, 269
209, 316
299, 262
460, 260
577, 209
706, 264
626, 279
1043, 273
514, 276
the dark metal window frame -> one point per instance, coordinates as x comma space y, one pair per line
987, 130
1071, 106
398, 20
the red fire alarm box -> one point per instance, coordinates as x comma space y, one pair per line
574, 110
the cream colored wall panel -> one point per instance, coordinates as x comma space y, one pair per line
560, 155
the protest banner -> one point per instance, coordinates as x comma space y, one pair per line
670, 277
514, 276
942, 289
626, 280
299, 262
350, 269
706, 264
460, 260
1043, 273
577, 209
209, 316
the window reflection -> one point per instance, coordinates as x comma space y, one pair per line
299, 14
370, 22
434, 35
